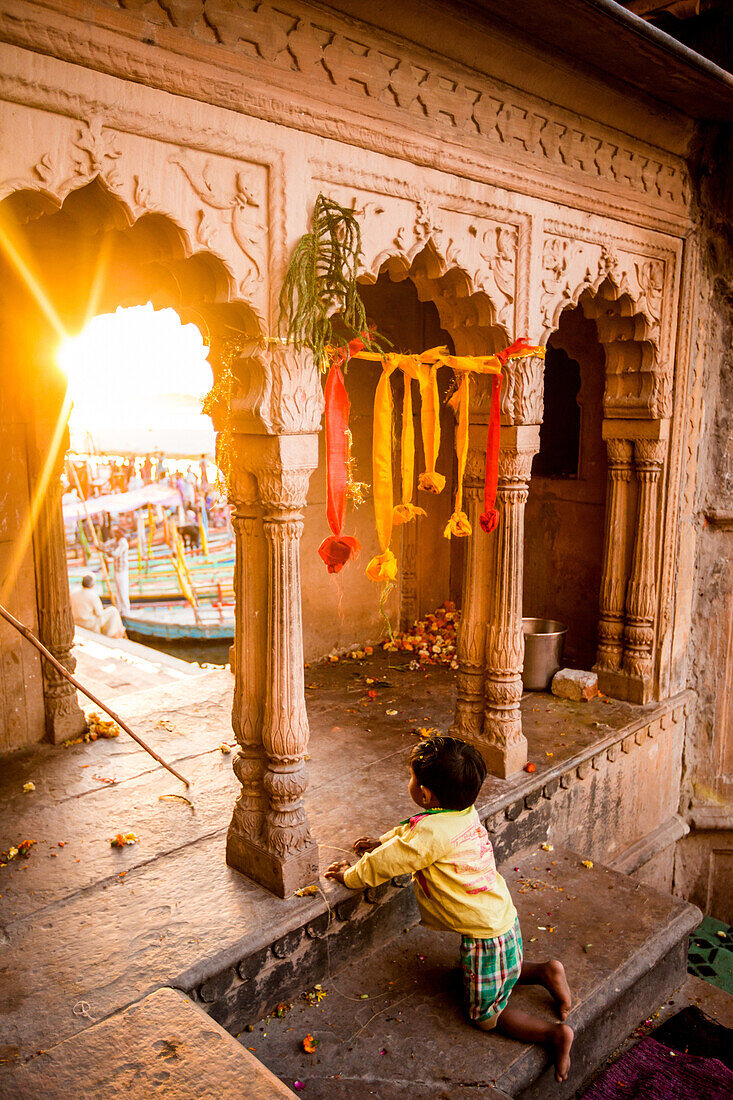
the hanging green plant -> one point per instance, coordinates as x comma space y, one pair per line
321, 281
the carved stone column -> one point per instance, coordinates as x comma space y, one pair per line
64, 716
614, 574
269, 838
469, 717
248, 656
503, 744
641, 595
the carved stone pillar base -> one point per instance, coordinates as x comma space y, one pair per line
283, 875
503, 758
621, 685
64, 719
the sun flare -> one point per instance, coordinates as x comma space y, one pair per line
136, 376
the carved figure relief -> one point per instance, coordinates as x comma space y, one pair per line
240, 199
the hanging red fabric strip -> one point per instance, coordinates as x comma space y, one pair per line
335, 550
490, 517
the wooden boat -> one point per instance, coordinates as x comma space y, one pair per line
156, 579
176, 594
177, 621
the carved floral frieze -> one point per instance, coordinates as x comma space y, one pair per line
415, 87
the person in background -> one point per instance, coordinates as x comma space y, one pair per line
203, 475
190, 530
88, 612
147, 469
119, 557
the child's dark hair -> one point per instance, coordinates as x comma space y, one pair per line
452, 769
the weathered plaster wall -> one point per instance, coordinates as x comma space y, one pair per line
704, 869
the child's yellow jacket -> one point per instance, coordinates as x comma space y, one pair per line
449, 855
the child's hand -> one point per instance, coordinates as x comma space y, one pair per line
336, 870
366, 844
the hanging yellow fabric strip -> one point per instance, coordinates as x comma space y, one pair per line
459, 524
427, 377
384, 566
407, 511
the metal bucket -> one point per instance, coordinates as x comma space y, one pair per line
543, 645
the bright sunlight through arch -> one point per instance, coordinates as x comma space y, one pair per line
136, 380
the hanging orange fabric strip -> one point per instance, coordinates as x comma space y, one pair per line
384, 566
459, 524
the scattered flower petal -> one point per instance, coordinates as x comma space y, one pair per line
28, 787
122, 839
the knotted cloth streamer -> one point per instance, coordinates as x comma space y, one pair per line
427, 379
337, 549
383, 567
459, 523
407, 511
489, 518
424, 367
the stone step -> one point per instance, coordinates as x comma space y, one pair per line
161, 1046
391, 1022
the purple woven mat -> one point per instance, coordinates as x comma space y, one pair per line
652, 1071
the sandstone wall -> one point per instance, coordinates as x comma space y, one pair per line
704, 871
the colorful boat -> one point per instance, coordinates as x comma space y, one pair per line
176, 594
177, 621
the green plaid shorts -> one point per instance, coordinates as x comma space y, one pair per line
490, 970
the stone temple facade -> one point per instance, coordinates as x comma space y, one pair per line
508, 184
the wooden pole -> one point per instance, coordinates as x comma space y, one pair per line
30, 636
93, 533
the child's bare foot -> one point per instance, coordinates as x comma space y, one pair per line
554, 980
562, 1040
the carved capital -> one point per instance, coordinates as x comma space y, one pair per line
649, 455
296, 402
284, 492
522, 391
620, 454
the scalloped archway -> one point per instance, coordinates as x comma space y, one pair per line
63, 261
600, 525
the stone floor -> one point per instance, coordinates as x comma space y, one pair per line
86, 929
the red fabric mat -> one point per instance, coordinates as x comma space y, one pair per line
652, 1071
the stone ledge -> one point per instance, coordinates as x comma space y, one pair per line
161, 1045
581, 763
624, 947
636, 855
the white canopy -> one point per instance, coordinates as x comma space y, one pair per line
124, 502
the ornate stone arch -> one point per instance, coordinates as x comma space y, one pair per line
627, 295
624, 293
